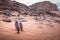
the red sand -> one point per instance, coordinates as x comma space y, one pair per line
32, 31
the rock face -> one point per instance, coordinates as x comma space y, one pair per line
13, 5
45, 5
35, 9
44, 10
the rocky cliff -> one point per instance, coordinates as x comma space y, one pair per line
13, 5
45, 5
34, 9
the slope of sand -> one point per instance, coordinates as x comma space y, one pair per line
32, 31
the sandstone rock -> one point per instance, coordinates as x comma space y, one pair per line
45, 5
35, 9
13, 5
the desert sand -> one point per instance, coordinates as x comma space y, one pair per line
32, 30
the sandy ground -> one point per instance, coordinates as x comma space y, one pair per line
31, 31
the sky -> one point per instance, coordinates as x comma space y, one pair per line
29, 2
